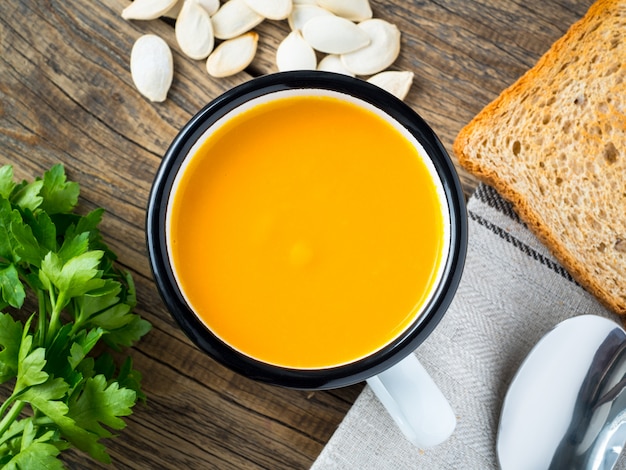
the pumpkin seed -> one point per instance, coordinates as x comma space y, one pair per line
174, 11
334, 35
211, 6
294, 53
194, 31
147, 9
380, 53
233, 19
301, 14
396, 83
152, 67
355, 10
233, 55
271, 9
332, 63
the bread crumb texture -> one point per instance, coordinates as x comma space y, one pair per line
554, 144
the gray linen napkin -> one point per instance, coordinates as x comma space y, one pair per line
511, 294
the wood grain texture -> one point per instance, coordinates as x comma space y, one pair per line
66, 95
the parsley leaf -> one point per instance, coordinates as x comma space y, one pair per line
27, 195
36, 455
100, 403
26, 247
60, 258
11, 287
58, 194
75, 277
6, 181
30, 367
10, 340
8, 216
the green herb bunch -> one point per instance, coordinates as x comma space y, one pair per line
65, 393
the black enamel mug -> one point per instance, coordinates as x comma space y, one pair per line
395, 360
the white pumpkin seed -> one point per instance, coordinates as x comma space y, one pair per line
332, 63
147, 9
271, 9
174, 11
152, 67
301, 14
334, 35
355, 10
381, 52
194, 31
304, 2
233, 19
211, 6
396, 83
233, 55
294, 53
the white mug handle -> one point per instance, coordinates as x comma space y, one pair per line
415, 402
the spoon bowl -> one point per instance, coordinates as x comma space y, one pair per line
566, 405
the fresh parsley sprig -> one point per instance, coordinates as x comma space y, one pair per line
64, 395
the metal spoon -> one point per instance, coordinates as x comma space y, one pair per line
566, 406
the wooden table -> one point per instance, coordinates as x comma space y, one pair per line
67, 96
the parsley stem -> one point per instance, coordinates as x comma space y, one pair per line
57, 306
11, 416
40, 335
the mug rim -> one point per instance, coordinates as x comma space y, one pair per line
200, 334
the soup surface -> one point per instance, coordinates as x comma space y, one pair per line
306, 232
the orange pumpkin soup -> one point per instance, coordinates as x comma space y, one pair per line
306, 232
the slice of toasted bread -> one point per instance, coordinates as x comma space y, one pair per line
554, 144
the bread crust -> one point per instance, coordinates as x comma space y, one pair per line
597, 42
